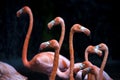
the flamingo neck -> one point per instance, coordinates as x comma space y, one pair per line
86, 55
71, 54
103, 64
62, 33
55, 65
25, 46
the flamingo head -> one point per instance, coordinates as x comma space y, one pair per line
97, 50
94, 49
78, 66
52, 44
86, 70
56, 21
103, 47
79, 28
23, 10
44, 45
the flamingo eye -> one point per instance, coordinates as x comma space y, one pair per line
82, 28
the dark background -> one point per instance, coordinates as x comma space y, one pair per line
100, 16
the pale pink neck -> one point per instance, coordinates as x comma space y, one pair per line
103, 64
25, 46
71, 54
62, 33
55, 65
86, 55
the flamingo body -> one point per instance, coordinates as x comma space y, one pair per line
8, 72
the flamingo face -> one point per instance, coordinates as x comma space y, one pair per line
85, 30
52, 43
19, 12
79, 28
23, 10
97, 50
103, 47
44, 45
80, 66
51, 23
94, 49
56, 21
86, 70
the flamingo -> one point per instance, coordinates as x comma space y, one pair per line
83, 70
8, 72
75, 28
97, 73
57, 21
55, 45
65, 62
43, 61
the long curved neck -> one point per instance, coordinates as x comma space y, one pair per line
103, 64
90, 75
25, 46
55, 65
86, 55
71, 54
62, 33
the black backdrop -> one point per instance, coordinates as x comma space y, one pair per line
97, 15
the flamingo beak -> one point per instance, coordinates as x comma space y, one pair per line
87, 70
50, 24
19, 12
85, 30
44, 45
99, 52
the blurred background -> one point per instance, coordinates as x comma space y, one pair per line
100, 16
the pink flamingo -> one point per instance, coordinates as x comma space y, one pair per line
87, 63
83, 70
65, 62
95, 72
8, 72
42, 62
55, 45
57, 21
75, 28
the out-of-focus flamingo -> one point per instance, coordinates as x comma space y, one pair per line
8, 72
97, 73
42, 62
75, 28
